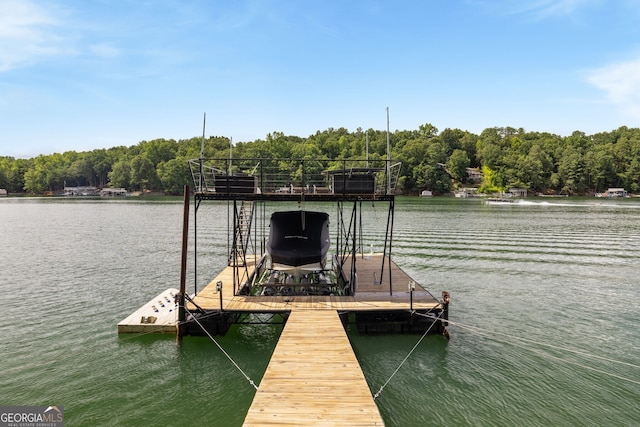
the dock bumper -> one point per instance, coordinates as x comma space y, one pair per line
399, 322
210, 323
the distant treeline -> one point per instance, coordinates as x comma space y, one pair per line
540, 162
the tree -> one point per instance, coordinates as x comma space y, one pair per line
174, 175
279, 146
120, 175
5, 165
489, 151
491, 181
532, 171
101, 164
143, 173
570, 171
450, 139
600, 168
457, 165
430, 177
427, 130
35, 179
539, 161
468, 144
631, 176
159, 150
81, 171
12, 173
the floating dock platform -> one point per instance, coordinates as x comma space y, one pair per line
375, 307
314, 335
159, 315
371, 301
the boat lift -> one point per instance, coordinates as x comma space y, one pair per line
372, 287
250, 185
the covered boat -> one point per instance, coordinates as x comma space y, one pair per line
298, 239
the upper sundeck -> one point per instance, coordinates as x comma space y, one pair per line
294, 179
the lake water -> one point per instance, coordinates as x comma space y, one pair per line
545, 305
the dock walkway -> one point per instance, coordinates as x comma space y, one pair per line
313, 378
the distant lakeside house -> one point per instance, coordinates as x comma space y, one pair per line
113, 192
93, 191
614, 192
80, 191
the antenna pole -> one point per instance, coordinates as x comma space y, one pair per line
230, 154
388, 156
367, 146
204, 125
200, 181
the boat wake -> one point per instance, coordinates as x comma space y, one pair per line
525, 203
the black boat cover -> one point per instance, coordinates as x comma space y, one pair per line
298, 238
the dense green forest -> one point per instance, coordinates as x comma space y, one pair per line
537, 161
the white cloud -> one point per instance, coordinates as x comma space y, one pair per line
621, 83
559, 7
539, 8
27, 33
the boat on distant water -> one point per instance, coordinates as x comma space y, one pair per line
501, 201
614, 192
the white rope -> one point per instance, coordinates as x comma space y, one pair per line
375, 396
488, 334
555, 347
575, 363
222, 350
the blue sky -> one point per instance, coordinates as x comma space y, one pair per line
85, 74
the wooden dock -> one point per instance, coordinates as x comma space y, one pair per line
371, 293
159, 315
313, 378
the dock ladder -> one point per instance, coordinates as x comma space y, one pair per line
241, 234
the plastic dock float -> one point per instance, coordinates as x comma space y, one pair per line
313, 378
160, 315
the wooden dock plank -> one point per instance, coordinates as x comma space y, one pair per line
313, 377
370, 295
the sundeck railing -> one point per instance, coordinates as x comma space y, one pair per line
294, 176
